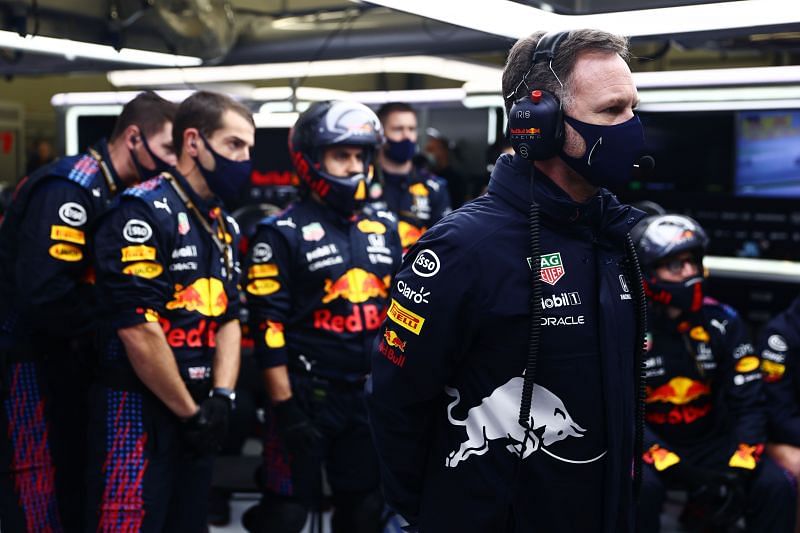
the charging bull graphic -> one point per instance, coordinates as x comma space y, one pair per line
496, 418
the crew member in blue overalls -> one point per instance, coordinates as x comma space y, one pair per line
418, 198
167, 272
48, 314
705, 420
318, 277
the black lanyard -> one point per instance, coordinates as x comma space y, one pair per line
225, 249
112, 187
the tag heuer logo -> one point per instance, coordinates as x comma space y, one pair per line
552, 268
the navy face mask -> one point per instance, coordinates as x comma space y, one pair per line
144, 172
610, 154
228, 177
400, 151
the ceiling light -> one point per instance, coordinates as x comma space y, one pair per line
426, 65
73, 49
513, 19
717, 77
275, 120
409, 96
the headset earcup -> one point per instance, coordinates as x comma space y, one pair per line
536, 129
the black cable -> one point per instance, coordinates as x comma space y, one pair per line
635, 277
535, 321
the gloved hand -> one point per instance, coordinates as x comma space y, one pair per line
716, 497
206, 429
295, 428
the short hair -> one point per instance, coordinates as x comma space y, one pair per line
393, 107
148, 111
540, 76
203, 110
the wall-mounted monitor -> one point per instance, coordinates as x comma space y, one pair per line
768, 153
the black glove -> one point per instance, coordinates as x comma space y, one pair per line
716, 497
205, 431
295, 428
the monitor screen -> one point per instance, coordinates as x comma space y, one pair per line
768, 153
693, 152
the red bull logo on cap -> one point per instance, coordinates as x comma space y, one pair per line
356, 286
205, 296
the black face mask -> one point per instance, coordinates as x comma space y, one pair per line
144, 172
684, 295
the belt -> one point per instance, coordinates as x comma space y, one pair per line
296, 368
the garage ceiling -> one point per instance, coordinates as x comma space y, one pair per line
224, 32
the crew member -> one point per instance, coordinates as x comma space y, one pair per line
705, 420
418, 198
48, 314
318, 278
531, 287
167, 270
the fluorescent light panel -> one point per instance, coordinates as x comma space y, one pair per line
426, 65
73, 49
512, 19
717, 77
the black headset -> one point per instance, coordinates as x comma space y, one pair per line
536, 121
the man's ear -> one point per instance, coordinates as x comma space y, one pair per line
132, 136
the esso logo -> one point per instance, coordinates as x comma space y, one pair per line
426, 264
136, 230
73, 214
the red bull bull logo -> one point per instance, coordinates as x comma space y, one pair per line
393, 340
356, 286
409, 234
205, 296
526, 131
678, 391
746, 456
660, 458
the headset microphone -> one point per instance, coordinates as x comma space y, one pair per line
645, 163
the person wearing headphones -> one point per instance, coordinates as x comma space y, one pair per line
318, 277
48, 313
502, 395
705, 420
168, 274
418, 198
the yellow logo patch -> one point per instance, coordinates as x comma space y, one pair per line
66, 252
371, 226
65, 233
699, 334
146, 270
138, 253
660, 458
263, 287
748, 364
274, 335
151, 315
418, 189
266, 270
772, 371
405, 317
